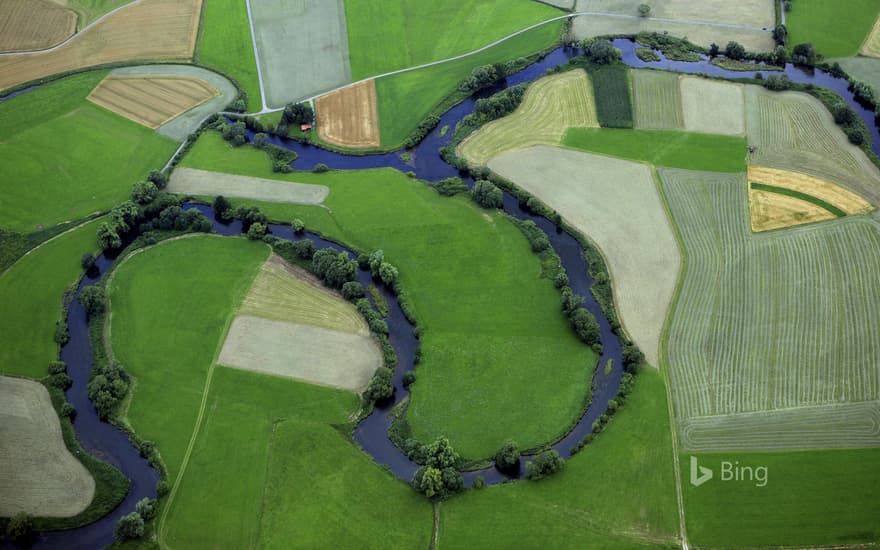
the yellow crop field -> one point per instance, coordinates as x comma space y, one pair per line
769, 211
33, 24
151, 29
350, 117
829, 192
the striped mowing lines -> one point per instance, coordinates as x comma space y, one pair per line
773, 321
712, 107
657, 100
151, 100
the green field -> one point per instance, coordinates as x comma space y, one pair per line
406, 99
386, 35
31, 292
613, 94
66, 158
812, 498
618, 492
664, 148
225, 44
836, 30
467, 273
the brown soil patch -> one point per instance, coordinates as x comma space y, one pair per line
829, 192
33, 24
152, 29
151, 100
769, 210
349, 117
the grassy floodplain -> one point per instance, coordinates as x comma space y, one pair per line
835, 29
31, 292
480, 348
225, 44
74, 159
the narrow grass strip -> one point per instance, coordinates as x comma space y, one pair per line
799, 195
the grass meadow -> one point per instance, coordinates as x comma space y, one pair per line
66, 158
491, 322
664, 148
31, 292
225, 44
835, 29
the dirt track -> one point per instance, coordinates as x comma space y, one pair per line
350, 117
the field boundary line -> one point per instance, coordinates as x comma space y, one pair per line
257, 58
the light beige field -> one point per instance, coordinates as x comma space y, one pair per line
712, 107
33, 24
151, 100
38, 475
871, 47
768, 210
151, 29
749, 13
350, 117
656, 100
616, 204
190, 181
551, 105
847, 201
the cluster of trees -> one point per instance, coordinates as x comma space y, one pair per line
290, 250
487, 194
451, 186
93, 299
281, 157
600, 51
544, 464
481, 77
382, 270
294, 113
538, 240
235, 133
627, 383
58, 377
438, 478
108, 386
131, 526
122, 220
424, 128
490, 108
334, 268
175, 218
381, 385
583, 322
507, 457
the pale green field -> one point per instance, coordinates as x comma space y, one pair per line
749, 13
712, 107
656, 100
187, 181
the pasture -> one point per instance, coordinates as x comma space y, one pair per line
551, 105
187, 181
838, 197
33, 24
78, 154
466, 271
225, 44
613, 96
31, 292
37, 472
657, 101
811, 499
618, 492
590, 192
866, 69
316, 31
712, 107
663, 148
350, 117
836, 30
769, 210
151, 100
793, 131
769, 322
152, 29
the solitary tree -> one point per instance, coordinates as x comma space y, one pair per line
644, 10
130, 527
544, 464
601, 52
507, 458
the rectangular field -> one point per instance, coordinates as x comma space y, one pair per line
712, 107
187, 181
350, 117
747, 13
33, 24
835, 29
225, 44
611, 89
657, 102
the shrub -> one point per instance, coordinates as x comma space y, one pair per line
130, 527
804, 54
843, 114
20, 530
735, 50
159, 179
88, 261
423, 129
320, 168
57, 367
67, 410
388, 274
409, 378
600, 51
352, 290
235, 133
585, 326
487, 194
856, 135
864, 92
260, 140
490, 108
535, 235
162, 488
147, 508
561, 280
570, 301
250, 215
298, 226
777, 82
256, 231
479, 78
107, 387
544, 464
381, 385
298, 113
93, 299
334, 268
644, 10
143, 192
61, 381
304, 249
450, 186
632, 357
507, 458
222, 208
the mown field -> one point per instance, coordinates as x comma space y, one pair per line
712, 107
551, 105
812, 498
664, 148
749, 13
33, 24
204, 182
225, 44
618, 492
657, 100
59, 145
407, 98
467, 273
835, 29
31, 292
770, 322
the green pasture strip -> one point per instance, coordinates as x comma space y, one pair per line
619, 491
169, 309
66, 158
836, 29
491, 321
225, 44
611, 88
799, 195
812, 498
31, 292
672, 148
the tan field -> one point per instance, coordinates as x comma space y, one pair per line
38, 475
846, 200
871, 47
189, 181
151, 29
151, 100
350, 117
712, 107
33, 24
749, 13
551, 105
768, 210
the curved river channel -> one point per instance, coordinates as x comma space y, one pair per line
112, 445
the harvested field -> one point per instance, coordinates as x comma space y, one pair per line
188, 181
350, 117
763, 323
748, 13
285, 292
712, 107
561, 4
846, 201
302, 352
303, 47
151, 100
768, 210
871, 47
38, 475
151, 29
657, 102
551, 106
794, 131
33, 24
589, 191
866, 69
613, 96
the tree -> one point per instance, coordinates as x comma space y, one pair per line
735, 50
507, 457
388, 274
544, 464
298, 113
381, 385
108, 237
222, 208
87, 261
20, 529
298, 226
856, 136
585, 325
780, 56
130, 527
235, 133
124, 216
780, 34
352, 290
334, 268
92, 299
644, 10
601, 51
441, 454
256, 231
714, 50
487, 194
260, 140
409, 378
158, 178
438, 477
804, 54
843, 114
479, 78
320, 168
143, 192
430, 482
570, 301
147, 508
